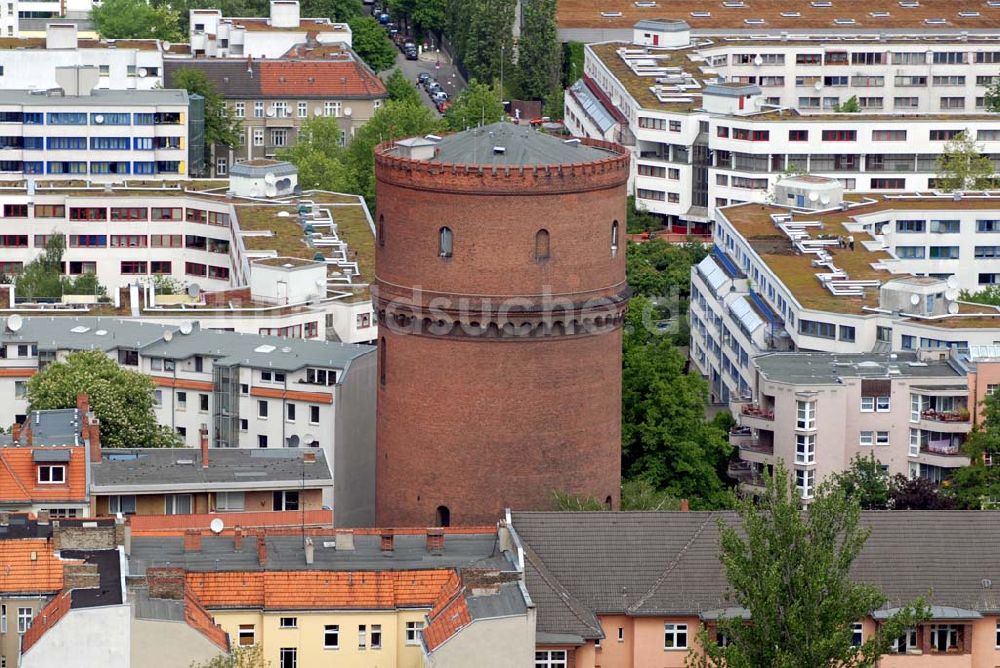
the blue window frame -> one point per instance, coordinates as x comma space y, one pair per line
143, 167
168, 167
109, 168
66, 118
67, 143
105, 118
34, 167
110, 143
142, 119
143, 143
67, 168
34, 143
34, 118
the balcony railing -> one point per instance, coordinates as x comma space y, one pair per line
746, 474
756, 445
753, 410
946, 448
945, 416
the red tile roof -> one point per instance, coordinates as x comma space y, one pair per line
19, 478
449, 615
30, 566
46, 618
329, 79
199, 619
174, 524
345, 590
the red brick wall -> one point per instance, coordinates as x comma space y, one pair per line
480, 424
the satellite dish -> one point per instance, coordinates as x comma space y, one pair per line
270, 179
348, 111
166, 46
186, 327
951, 294
15, 322
271, 112
293, 441
217, 525
825, 199
914, 299
320, 282
194, 290
953, 281
308, 438
758, 61
813, 196
317, 112
818, 85
99, 118
168, 336
283, 214
953, 308
142, 72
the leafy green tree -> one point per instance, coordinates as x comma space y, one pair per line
371, 42
572, 62
539, 58
637, 495
401, 89
430, 15
228, 8
791, 570
336, 10
42, 278
394, 120
988, 295
488, 41
121, 399
657, 268
135, 19
851, 106
919, 494
993, 97
250, 656
221, 127
319, 157
640, 220
665, 438
865, 482
478, 104
962, 166
977, 485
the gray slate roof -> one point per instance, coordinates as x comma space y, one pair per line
180, 469
667, 563
506, 602
56, 333
285, 553
59, 426
523, 145
827, 368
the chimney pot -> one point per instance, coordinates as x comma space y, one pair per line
28, 435
237, 538
388, 541
345, 539
309, 457
4, 518
685, 506
15, 431
192, 540
261, 549
203, 432
310, 551
435, 540
43, 517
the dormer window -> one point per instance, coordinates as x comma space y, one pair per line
51, 474
321, 376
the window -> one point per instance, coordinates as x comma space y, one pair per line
303, 109
910, 252
331, 108
247, 635
288, 657
722, 131
952, 103
857, 634
905, 102
3, 618
362, 639
331, 636
52, 474
823, 330
846, 333
261, 440
234, 501
541, 245
910, 225
943, 253
866, 438
881, 438
888, 135
203, 403
798, 135
290, 412
805, 448
867, 404
413, 630
944, 135
553, 658
805, 482
446, 242
124, 504
882, 404
262, 409
288, 622
376, 639
805, 415
177, 504
905, 642
258, 136
943, 636
614, 238
314, 415
840, 135
675, 636
239, 109
655, 195
888, 184
285, 500
279, 137
23, 619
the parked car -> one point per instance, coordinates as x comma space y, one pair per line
423, 78
410, 53
383, 18
440, 96
433, 87
443, 106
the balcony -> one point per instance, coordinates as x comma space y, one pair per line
746, 474
945, 453
954, 421
960, 415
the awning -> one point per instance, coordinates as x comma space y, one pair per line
712, 273
937, 612
745, 313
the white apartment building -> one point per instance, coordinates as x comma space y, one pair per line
786, 279
250, 391
213, 35
250, 254
81, 133
818, 411
31, 63
715, 120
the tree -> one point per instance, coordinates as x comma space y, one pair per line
918, 494
962, 166
42, 278
539, 58
665, 438
430, 14
394, 120
657, 268
866, 482
336, 10
135, 19
977, 485
640, 220
478, 104
401, 89
993, 96
121, 399
851, 106
319, 157
488, 38
221, 127
988, 295
636, 495
791, 570
371, 42
251, 656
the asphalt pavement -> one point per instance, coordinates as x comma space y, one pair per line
439, 67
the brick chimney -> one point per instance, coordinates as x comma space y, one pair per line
309, 457
29, 438
237, 537
192, 540
82, 406
387, 541
203, 432
310, 551
344, 540
435, 540
165, 583
43, 517
261, 549
15, 432
685, 506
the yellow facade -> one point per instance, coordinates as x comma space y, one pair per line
308, 636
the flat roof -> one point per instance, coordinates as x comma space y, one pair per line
97, 98
828, 368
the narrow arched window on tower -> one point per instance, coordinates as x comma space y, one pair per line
614, 238
443, 517
381, 230
445, 242
381, 361
541, 245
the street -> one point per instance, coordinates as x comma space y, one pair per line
445, 73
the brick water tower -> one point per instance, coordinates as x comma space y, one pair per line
500, 290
